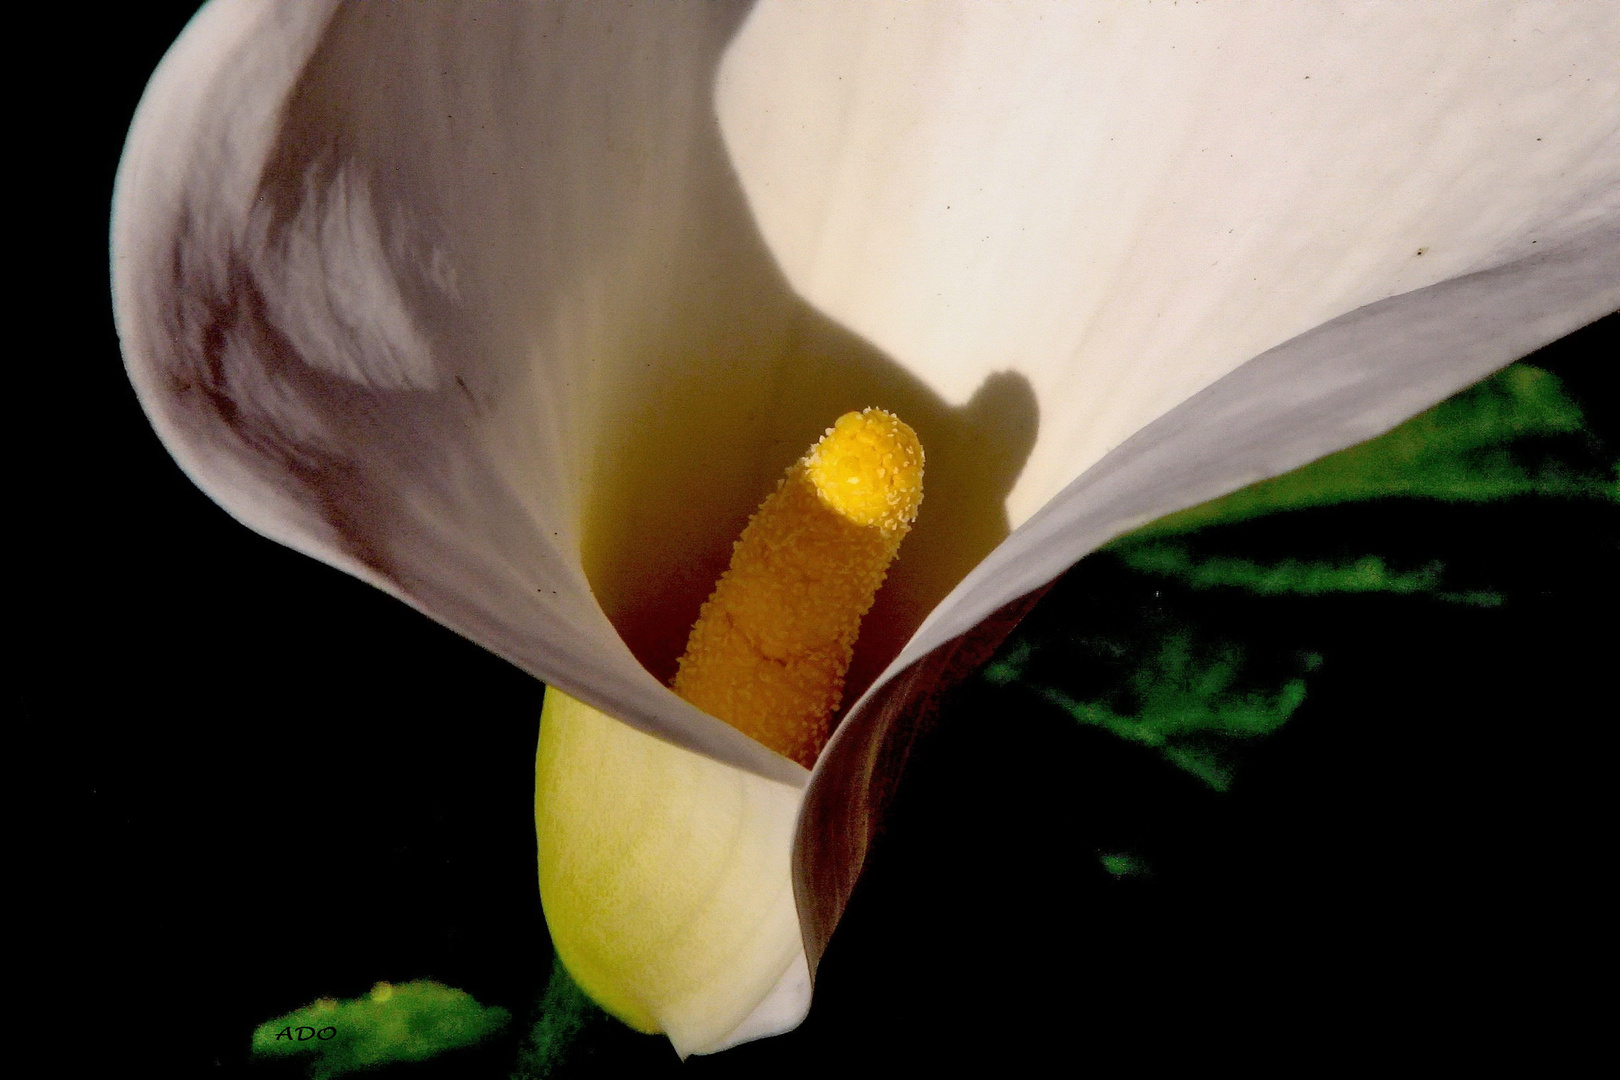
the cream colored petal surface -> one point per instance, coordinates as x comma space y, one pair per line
1124, 202
1335, 386
664, 877
485, 305
1218, 241
398, 285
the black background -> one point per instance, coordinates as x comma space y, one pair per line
249, 781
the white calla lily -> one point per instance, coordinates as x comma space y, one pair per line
514, 311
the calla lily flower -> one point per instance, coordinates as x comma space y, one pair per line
514, 311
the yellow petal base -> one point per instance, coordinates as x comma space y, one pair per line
665, 880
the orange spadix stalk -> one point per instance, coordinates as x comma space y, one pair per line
772, 643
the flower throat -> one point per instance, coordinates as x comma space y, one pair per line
772, 644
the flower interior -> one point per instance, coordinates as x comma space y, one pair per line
679, 462
517, 311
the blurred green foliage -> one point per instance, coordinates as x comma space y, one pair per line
1496, 440
1198, 680
409, 1022
1123, 864
567, 1026
1369, 573
1167, 688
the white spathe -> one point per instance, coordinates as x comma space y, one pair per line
514, 311
1126, 202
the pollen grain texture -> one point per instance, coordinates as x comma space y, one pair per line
772, 643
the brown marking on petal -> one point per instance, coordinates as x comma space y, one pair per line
225, 399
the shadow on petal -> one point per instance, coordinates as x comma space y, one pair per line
493, 326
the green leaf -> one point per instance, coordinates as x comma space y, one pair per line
409, 1022
1164, 685
1481, 445
565, 1014
1298, 576
1123, 864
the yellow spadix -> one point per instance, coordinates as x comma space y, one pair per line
664, 875
770, 648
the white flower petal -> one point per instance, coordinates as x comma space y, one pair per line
388, 281
1217, 242
1338, 385
469, 301
1125, 202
